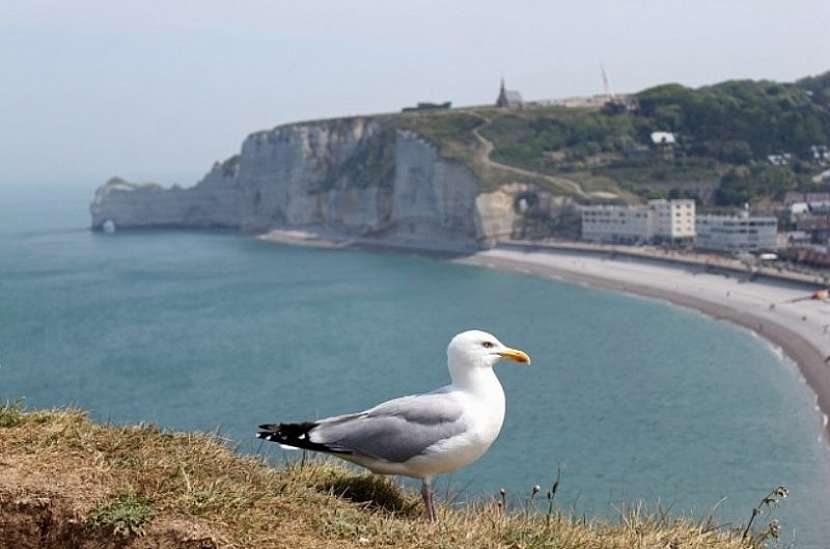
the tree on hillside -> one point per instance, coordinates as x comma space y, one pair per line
743, 185
725, 119
819, 88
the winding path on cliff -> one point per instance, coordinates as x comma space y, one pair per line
487, 147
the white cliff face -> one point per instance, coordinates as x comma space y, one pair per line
432, 199
311, 175
351, 176
516, 210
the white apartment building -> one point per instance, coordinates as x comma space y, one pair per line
736, 233
670, 220
617, 224
674, 219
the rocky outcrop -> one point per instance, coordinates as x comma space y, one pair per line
359, 177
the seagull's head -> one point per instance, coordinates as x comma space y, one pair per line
480, 349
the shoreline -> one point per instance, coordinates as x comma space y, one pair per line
800, 329
334, 241
798, 347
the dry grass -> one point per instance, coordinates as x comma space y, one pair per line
11, 413
125, 481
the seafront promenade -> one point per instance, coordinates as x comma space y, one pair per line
691, 258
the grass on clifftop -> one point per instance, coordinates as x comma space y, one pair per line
452, 132
141, 486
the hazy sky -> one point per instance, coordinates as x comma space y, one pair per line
159, 90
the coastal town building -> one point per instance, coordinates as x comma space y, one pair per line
780, 159
798, 210
615, 224
658, 221
618, 104
508, 98
793, 196
428, 106
810, 213
816, 226
662, 138
663, 144
736, 233
821, 154
674, 219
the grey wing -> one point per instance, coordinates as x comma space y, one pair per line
396, 430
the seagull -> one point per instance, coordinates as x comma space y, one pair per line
418, 436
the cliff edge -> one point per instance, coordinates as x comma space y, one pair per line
69, 483
364, 177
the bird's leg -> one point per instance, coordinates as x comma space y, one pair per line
426, 493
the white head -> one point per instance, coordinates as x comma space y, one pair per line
476, 349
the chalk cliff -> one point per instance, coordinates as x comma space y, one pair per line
359, 177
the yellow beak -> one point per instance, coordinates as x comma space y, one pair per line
515, 354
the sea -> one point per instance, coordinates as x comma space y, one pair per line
632, 400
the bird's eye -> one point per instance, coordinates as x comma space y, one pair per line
487, 345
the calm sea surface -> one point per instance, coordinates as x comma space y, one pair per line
632, 398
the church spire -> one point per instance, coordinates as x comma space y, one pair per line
508, 98
501, 100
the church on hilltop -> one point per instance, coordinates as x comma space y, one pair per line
509, 98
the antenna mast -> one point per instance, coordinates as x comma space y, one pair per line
609, 93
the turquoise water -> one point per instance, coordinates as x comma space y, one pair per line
632, 398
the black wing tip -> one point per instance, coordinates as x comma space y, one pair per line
296, 435
290, 434
269, 436
271, 432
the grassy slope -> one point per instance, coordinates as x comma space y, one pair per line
520, 139
452, 132
68, 482
586, 145
729, 126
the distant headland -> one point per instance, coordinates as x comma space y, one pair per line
473, 176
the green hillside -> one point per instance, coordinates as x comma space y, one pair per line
724, 136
